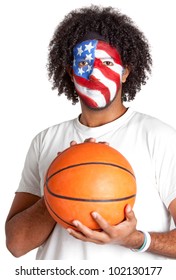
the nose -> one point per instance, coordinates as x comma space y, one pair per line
92, 76
96, 66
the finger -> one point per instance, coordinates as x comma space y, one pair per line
91, 235
104, 142
83, 229
129, 213
76, 234
91, 139
104, 225
72, 143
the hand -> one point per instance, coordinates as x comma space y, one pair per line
92, 140
124, 234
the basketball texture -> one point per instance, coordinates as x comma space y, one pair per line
89, 177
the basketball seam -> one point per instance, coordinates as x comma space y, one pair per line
56, 213
91, 163
87, 199
61, 218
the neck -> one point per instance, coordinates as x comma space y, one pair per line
97, 118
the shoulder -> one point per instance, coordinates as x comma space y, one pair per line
52, 134
52, 131
153, 125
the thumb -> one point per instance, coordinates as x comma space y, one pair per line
129, 214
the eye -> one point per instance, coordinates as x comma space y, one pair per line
108, 63
82, 63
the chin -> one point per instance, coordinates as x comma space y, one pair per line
98, 109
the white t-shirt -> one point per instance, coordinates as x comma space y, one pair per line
150, 147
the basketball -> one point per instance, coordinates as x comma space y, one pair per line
89, 177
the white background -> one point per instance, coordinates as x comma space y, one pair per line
28, 105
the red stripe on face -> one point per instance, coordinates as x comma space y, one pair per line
89, 101
94, 84
107, 71
110, 50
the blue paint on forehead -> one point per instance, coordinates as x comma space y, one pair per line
84, 52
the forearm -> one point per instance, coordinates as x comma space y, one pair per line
28, 229
163, 244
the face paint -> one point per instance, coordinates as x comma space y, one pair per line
97, 72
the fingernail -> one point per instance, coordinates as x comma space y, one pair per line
94, 214
76, 223
73, 143
69, 230
128, 208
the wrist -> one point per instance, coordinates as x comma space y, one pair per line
146, 243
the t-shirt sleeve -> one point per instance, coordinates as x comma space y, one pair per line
30, 178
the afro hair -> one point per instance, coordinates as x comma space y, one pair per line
117, 29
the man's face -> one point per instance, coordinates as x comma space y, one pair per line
97, 73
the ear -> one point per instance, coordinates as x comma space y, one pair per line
70, 72
126, 72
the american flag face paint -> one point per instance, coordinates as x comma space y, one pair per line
97, 72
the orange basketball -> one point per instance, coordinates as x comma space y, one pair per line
89, 177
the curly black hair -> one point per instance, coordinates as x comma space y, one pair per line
117, 29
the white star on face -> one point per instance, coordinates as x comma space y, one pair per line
89, 57
80, 71
88, 47
80, 51
89, 68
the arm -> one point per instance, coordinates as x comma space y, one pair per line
28, 224
165, 243
126, 234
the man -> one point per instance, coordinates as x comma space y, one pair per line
99, 57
